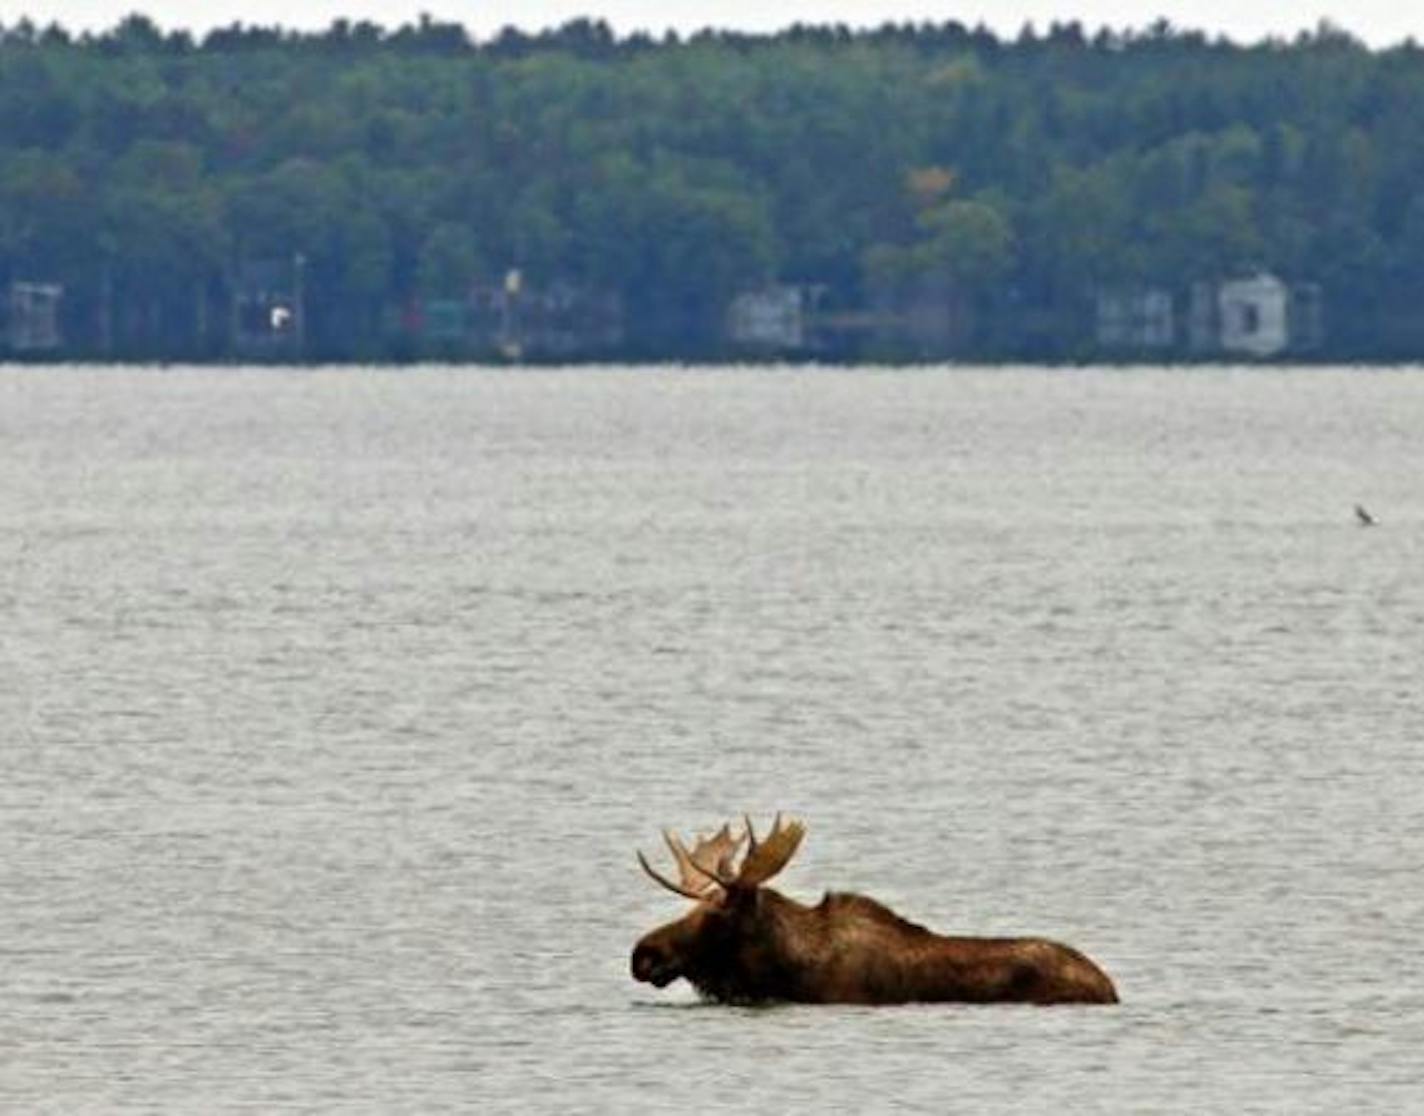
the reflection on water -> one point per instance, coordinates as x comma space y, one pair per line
337, 704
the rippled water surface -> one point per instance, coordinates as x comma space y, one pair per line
333, 706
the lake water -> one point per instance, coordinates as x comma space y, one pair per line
334, 705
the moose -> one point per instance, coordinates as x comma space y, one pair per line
744, 943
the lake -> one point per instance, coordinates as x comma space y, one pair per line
336, 703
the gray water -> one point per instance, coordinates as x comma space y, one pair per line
334, 705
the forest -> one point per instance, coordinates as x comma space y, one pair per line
388, 176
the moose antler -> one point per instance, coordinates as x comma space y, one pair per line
766, 858
706, 871
710, 859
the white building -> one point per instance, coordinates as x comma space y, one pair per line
773, 317
1254, 315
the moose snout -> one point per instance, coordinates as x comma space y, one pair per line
650, 966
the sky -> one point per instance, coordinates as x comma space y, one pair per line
1377, 22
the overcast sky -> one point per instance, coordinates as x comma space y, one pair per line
1378, 22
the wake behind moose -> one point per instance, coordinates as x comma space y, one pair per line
745, 943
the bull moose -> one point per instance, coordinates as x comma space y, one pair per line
745, 943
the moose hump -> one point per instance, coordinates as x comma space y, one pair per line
744, 942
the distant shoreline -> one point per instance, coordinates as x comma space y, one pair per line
909, 193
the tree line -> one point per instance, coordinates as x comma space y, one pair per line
140, 169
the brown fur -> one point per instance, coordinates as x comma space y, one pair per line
753, 945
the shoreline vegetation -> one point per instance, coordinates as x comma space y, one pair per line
926, 192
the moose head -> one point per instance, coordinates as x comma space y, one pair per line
721, 945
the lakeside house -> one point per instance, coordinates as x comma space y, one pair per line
1137, 318
268, 307
775, 318
1245, 317
1256, 316
515, 319
561, 319
31, 317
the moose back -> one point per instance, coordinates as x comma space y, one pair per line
745, 943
